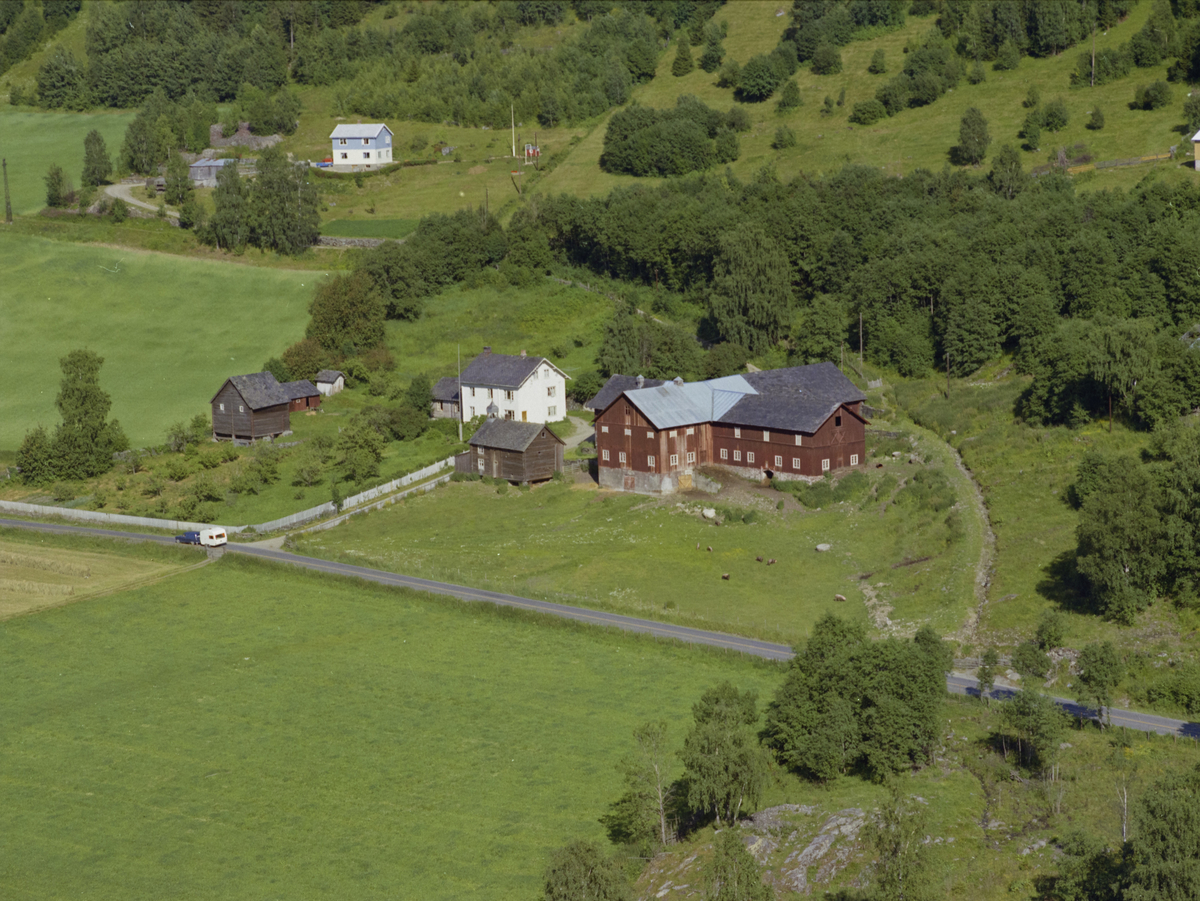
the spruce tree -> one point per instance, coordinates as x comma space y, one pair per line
97, 166
683, 59
790, 97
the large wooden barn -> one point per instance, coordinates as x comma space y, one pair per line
795, 423
250, 407
517, 451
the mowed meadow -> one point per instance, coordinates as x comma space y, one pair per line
245, 731
170, 329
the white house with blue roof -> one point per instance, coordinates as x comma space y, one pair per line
360, 147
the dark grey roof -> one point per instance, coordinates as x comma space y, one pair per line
446, 390
502, 370
258, 390
330, 375
298, 389
796, 399
508, 434
612, 390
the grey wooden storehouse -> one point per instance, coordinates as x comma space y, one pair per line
203, 172
446, 402
250, 408
517, 451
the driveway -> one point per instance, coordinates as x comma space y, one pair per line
125, 192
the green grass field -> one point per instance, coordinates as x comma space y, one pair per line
253, 732
31, 141
368, 228
170, 330
647, 556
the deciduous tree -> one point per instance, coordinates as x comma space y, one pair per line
725, 766
896, 835
1100, 671
752, 291
97, 167
346, 314
579, 871
732, 874
973, 137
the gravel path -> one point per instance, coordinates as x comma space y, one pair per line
125, 192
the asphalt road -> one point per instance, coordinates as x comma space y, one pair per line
1141, 722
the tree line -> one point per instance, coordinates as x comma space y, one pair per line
24, 27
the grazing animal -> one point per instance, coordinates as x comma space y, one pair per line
697, 545
710, 548
839, 597
725, 576
879, 466
771, 561
759, 559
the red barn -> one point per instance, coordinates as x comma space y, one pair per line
799, 422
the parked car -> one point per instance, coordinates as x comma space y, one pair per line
206, 537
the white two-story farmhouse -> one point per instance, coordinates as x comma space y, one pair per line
359, 147
523, 388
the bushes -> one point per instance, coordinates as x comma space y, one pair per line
826, 60
784, 138
868, 112
1151, 97
643, 141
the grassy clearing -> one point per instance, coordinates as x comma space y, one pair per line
37, 572
379, 228
251, 731
897, 566
32, 141
170, 330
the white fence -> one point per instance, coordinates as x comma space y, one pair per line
285, 522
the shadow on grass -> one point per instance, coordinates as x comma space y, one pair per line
1063, 585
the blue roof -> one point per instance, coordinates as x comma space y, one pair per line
207, 162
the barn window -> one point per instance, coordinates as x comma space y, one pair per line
796, 463
222, 406
550, 391
649, 434
691, 457
779, 462
825, 465
797, 441
837, 420
690, 432
479, 450
604, 454
628, 411
552, 411
241, 409
737, 456
674, 433
604, 429
650, 461
629, 432
481, 463
737, 432
766, 436
854, 459
621, 457
749, 456
674, 459
724, 453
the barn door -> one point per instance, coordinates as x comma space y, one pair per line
629, 483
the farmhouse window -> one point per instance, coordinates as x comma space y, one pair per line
366, 154
550, 391
649, 434
798, 442
690, 432
837, 420
749, 456
479, 450
629, 433
604, 429
604, 454
366, 142
691, 457
796, 463
621, 457
766, 436
241, 409
508, 395
552, 411
345, 155
650, 461
825, 465
779, 462
737, 432
491, 394
472, 412
472, 392
342, 142
547, 371
737, 456
481, 464
724, 453
674, 459
222, 406
854, 459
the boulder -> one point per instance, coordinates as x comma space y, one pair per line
824, 547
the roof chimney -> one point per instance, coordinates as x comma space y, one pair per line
677, 380
487, 349
641, 380
522, 353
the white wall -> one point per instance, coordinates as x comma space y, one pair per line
532, 402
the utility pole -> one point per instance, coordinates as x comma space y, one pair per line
860, 347
947, 373
7, 199
513, 114
461, 408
